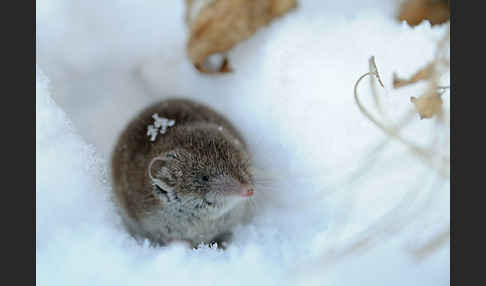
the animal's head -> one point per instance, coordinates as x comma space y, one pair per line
211, 175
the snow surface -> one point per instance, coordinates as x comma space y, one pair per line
291, 95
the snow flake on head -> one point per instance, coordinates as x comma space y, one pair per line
160, 125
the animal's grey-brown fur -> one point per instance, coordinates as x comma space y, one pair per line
200, 164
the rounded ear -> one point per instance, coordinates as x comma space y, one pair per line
160, 173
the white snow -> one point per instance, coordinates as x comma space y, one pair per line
160, 126
291, 95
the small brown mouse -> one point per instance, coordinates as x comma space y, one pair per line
181, 172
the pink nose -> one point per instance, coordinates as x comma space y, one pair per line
246, 191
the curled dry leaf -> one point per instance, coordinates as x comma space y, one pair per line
415, 11
215, 26
430, 103
427, 105
424, 73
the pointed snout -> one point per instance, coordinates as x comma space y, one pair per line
246, 191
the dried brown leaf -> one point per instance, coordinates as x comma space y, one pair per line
216, 26
424, 73
427, 105
415, 11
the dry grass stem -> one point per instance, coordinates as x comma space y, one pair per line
427, 105
426, 155
432, 245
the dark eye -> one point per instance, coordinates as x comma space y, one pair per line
205, 178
